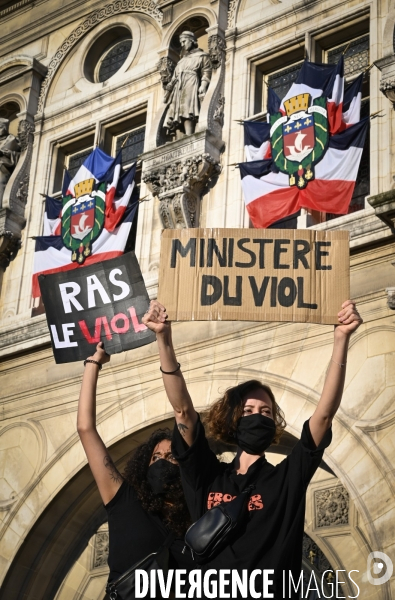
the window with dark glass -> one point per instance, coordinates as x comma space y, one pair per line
281, 81
112, 60
74, 161
131, 144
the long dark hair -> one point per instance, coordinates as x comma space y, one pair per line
171, 507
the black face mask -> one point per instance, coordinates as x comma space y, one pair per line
161, 474
255, 433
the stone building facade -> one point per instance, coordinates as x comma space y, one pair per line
74, 75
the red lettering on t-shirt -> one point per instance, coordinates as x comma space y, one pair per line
228, 497
216, 498
255, 502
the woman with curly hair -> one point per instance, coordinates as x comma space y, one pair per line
249, 417
145, 505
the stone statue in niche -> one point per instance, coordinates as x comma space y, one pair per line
187, 87
9, 155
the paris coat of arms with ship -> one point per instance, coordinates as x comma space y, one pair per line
300, 137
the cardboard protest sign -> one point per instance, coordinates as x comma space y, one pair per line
254, 274
103, 302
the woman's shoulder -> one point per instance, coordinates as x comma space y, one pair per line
125, 494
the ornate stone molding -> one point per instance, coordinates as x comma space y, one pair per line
219, 111
12, 212
101, 546
20, 186
387, 87
14, 7
232, 13
331, 506
384, 207
147, 7
216, 48
178, 187
10, 243
166, 68
387, 82
391, 297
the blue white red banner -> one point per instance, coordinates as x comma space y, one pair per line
303, 156
92, 222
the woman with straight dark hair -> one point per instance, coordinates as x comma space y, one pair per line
249, 417
145, 505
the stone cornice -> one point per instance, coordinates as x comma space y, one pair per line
14, 7
364, 226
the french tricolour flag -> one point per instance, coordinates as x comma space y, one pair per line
52, 216
257, 140
98, 166
116, 189
352, 102
118, 196
313, 78
269, 197
52, 256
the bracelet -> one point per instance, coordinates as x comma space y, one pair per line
171, 372
95, 362
340, 364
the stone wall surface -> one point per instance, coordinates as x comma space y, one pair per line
52, 525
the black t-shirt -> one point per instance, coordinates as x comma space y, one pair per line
273, 532
133, 534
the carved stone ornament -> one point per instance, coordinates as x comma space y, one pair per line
149, 7
216, 49
331, 506
232, 13
387, 84
219, 111
166, 68
12, 211
101, 546
9, 246
178, 187
391, 297
25, 133
387, 87
384, 206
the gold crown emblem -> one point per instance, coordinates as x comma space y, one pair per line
84, 187
297, 103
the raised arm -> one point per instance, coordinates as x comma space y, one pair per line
332, 392
173, 379
107, 477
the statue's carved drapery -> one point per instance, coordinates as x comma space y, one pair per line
188, 86
12, 211
9, 155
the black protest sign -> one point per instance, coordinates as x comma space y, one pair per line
103, 302
254, 274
